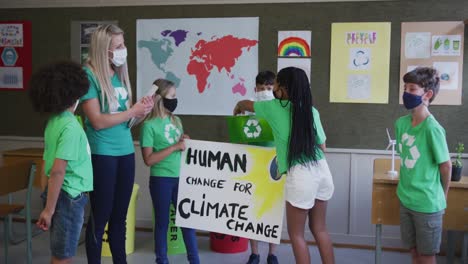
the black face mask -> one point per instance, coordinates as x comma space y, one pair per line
170, 104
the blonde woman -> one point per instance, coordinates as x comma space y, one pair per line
162, 141
107, 107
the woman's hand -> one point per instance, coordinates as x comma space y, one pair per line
142, 108
148, 102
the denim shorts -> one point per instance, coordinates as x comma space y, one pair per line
422, 231
66, 224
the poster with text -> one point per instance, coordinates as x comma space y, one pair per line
360, 63
15, 54
231, 189
212, 61
439, 45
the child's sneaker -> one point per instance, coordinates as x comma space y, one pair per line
272, 259
254, 259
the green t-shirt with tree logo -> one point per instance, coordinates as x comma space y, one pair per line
422, 148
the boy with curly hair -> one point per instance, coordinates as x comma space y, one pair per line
55, 89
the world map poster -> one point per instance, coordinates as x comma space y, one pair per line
212, 61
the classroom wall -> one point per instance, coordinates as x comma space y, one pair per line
355, 132
360, 126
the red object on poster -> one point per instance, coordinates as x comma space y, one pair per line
15, 54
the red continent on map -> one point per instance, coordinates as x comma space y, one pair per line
221, 53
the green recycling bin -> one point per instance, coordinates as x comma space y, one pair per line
248, 129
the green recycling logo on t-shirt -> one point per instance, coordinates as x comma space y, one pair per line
172, 133
252, 128
122, 97
409, 159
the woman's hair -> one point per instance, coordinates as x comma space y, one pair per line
159, 110
302, 142
55, 87
98, 61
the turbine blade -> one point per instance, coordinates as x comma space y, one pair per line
388, 134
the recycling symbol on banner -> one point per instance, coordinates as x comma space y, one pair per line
172, 133
412, 158
252, 128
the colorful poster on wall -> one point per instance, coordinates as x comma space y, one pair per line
360, 63
231, 189
294, 43
439, 45
212, 61
15, 54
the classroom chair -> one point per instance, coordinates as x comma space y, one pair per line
17, 177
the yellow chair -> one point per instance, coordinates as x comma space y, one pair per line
17, 177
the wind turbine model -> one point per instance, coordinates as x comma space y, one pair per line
392, 143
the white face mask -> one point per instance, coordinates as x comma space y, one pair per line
76, 105
266, 95
120, 57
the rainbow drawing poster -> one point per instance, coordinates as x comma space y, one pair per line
294, 43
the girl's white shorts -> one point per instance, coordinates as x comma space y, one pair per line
307, 182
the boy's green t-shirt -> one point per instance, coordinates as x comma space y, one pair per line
279, 119
111, 141
422, 148
65, 139
160, 133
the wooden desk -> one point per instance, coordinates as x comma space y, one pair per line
386, 206
34, 154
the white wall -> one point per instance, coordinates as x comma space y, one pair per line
349, 211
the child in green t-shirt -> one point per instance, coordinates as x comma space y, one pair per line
425, 167
300, 142
55, 90
263, 92
162, 140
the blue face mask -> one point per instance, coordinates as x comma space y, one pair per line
411, 101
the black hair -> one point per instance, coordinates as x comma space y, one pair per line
56, 86
302, 142
265, 77
426, 77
